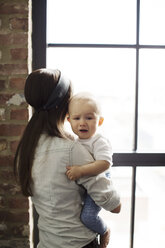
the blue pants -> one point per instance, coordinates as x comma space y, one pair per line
90, 218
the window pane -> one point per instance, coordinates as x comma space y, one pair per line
150, 205
120, 223
152, 100
110, 75
152, 22
91, 21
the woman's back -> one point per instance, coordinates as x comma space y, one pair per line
40, 165
56, 199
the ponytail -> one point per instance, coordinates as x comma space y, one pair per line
25, 154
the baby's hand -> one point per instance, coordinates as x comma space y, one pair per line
73, 172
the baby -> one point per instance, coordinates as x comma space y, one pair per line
84, 117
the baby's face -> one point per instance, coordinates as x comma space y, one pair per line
83, 118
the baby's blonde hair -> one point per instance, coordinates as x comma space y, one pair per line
88, 97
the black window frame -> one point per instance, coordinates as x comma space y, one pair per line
133, 159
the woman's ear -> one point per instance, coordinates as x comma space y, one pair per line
101, 121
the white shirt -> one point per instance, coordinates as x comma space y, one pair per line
58, 200
99, 147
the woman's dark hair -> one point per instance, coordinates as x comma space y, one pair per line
38, 88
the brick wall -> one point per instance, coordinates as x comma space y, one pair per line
14, 217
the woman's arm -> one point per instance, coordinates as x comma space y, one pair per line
92, 169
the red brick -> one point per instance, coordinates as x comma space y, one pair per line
7, 8
19, 53
3, 202
6, 175
21, 203
2, 84
6, 161
19, 114
4, 98
13, 69
14, 145
14, 39
11, 130
10, 188
17, 83
19, 23
14, 217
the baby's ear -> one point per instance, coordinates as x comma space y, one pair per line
68, 118
101, 121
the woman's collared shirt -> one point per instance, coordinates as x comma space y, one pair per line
58, 200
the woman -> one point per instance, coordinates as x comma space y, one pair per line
40, 166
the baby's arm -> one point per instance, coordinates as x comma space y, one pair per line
93, 169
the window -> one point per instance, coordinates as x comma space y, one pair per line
116, 49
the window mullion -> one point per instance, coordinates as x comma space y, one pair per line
137, 76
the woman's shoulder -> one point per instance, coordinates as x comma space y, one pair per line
79, 154
48, 143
